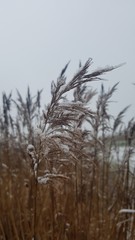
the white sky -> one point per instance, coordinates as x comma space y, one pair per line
37, 39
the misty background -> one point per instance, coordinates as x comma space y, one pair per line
37, 39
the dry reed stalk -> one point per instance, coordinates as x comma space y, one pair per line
69, 188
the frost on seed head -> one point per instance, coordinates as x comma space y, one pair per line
49, 177
30, 148
38, 132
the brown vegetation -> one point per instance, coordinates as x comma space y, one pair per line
58, 180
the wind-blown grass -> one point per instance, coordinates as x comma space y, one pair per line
58, 179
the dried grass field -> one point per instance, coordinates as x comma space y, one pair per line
58, 180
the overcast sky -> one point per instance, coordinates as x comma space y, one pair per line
37, 39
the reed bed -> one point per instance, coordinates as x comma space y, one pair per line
58, 177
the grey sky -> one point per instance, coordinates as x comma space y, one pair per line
37, 38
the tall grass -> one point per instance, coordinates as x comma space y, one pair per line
58, 178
